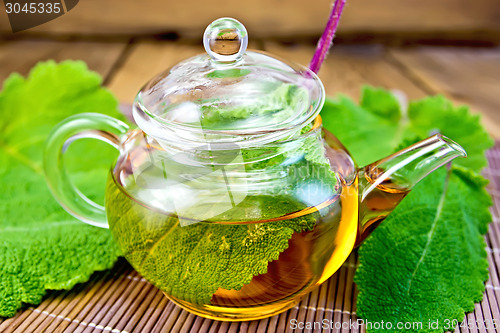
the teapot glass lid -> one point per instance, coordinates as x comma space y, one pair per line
230, 89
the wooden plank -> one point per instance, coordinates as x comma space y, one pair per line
470, 76
145, 60
21, 56
271, 18
348, 68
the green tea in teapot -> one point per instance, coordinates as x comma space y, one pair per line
230, 197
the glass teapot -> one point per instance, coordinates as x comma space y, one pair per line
231, 198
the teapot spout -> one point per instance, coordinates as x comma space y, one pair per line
383, 184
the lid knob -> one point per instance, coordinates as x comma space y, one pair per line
225, 40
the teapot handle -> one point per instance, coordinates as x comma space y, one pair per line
83, 125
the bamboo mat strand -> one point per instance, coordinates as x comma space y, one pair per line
121, 301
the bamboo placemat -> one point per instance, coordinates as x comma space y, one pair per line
120, 301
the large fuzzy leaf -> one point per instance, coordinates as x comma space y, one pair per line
41, 246
426, 261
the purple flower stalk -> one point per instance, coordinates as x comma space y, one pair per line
326, 39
